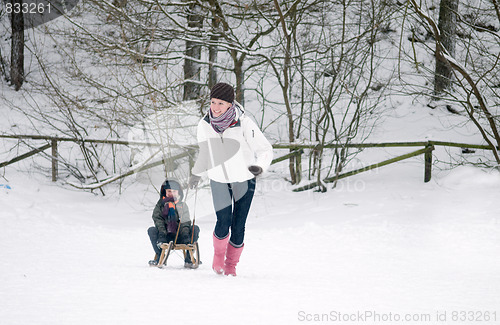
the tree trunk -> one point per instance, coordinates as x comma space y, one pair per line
240, 79
447, 28
3, 69
285, 88
120, 3
192, 67
213, 48
497, 8
17, 48
212, 58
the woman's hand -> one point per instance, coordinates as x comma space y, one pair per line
193, 181
255, 170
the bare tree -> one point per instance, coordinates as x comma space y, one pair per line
120, 3
326, 66
192, 65
213, 49
447, 25
17, 47
285, 81
472, 97
312, 68
497, 8
3, 70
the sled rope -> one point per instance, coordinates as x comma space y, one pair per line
194, 213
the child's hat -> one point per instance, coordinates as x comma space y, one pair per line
171, 184
223, 91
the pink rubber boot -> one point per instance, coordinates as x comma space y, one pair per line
232, 258
220, 246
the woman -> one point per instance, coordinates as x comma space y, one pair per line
233, 152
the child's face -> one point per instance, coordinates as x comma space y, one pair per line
171, 193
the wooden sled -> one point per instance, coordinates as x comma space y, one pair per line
191, 249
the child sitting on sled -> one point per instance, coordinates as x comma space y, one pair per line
169, 214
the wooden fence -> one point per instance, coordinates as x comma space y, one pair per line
296, 150
428, 147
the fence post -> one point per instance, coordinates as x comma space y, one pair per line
54, 160
298, 166
428, 162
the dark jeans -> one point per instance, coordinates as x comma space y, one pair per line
232, 203
153, 236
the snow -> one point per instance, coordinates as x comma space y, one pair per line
382, 242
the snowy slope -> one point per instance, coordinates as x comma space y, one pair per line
383, 242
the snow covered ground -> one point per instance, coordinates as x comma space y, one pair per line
382, 247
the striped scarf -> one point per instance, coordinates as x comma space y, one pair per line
222, 122
169, 214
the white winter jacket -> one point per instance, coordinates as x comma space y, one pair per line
226, 156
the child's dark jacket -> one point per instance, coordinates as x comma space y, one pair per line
183, 218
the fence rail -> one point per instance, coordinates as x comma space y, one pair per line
382, 145
296, 150
81, 140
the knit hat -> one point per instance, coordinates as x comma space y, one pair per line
223, 91
173, 185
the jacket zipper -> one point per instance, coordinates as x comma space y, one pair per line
223, 164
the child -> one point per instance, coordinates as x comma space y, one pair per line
170, 213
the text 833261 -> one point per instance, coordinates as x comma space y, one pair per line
28, 8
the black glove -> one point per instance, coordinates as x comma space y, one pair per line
184, 240
193, 181
184, 237
255, 170
162, 239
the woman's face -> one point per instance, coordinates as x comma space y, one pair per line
219, 106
